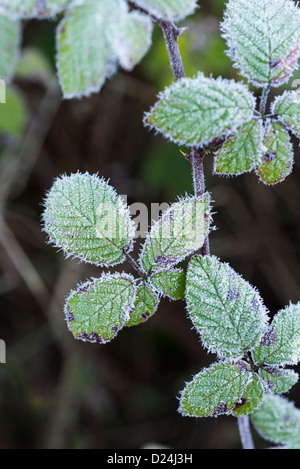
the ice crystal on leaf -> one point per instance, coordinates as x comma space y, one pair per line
287, 110
221, 307
196, 111
284, 346
179, 232
170, 283
241, 151
33, 8
263, 39
145, 305
93, 38
277, 160
9, 45
97, 310
222, 389
278, 421
168, 9
86, 218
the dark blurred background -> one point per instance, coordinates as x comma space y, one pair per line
56, 392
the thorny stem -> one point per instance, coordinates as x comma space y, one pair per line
245, 432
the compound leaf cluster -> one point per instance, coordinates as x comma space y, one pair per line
87, 219
232, 321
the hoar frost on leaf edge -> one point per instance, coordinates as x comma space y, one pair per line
84, 285
179, 259
163, 95
123, 209
232, 49
264, 316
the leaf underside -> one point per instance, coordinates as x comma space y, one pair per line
168, 9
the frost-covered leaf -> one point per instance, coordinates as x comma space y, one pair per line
277, 160
196, 111
179, 232
133, 39
145, 305
168, 9
241, 150
170, 283
278, 380
280, 343
225, 309
13, 113
278, 420
287, 109
251, 398
86, 218
93, 38
10, 36
98, 309
33, 8
263, 39
220, 390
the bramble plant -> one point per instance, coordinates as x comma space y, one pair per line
85, 217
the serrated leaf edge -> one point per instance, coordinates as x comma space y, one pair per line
122, 207
205, 344
84, 285
157, 223
177, 85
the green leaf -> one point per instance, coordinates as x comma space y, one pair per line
98, 309
179, 232
251, 397
217, 390
287, 110
263, 39
10, 37
33, 8
92, 39
86, 218
133, 39
278, 420
280, 343
166, 9
277, 380
277, 160
196, 111
13, 113
170, 283
145, 305
225, 309
241, 150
